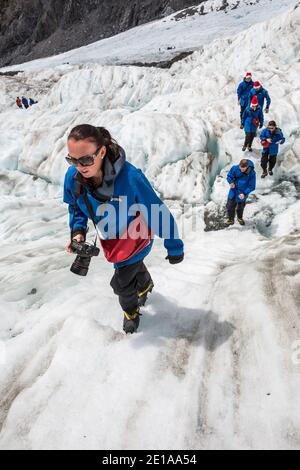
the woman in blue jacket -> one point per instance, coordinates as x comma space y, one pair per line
252, 119
242, 181
100, 184
270, 138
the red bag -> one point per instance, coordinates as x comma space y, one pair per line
256, 122
137, 237
265, 144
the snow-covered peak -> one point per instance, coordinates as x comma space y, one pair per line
210, 6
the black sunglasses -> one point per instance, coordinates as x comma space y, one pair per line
87, 160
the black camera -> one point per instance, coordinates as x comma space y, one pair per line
85, 253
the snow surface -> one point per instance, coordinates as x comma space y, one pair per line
215, 356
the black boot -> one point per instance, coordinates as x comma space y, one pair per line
241, 221
143, 295
131, 321
229, 221
265, 173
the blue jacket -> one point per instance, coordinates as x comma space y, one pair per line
245, 183
243, 91
125, 209
276, 137
249, 115
262, 96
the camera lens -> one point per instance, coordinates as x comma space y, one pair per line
81, 266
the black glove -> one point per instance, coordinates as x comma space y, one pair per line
267, 110
175, 259
241, 126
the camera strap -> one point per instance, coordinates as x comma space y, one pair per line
80, 190
89, 208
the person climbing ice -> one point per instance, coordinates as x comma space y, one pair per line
100, 184
32, 102
262, 95
271, 137
242, 181
25, 102
19, 103
252, 119
243, 92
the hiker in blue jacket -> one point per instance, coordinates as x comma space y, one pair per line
242, 181
252, 119
25, 102
243, 92
103, 186
271, 137
32, 102
262, 96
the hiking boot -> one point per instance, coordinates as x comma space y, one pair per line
264, 174
131, 321
143, 295
229, 222
250, 149
241, 221
244, 148
271, 173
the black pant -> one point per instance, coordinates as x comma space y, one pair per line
127, 282
243, 108
235, 207
249, 139
268, 159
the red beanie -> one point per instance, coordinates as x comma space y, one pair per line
254, 100
248, 74
256, 84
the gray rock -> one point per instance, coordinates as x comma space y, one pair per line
31, 29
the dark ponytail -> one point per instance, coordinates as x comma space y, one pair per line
100, 136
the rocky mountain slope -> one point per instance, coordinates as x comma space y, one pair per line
31, 29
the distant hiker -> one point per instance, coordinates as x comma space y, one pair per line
32, 102
252, 119
262, 95
242, 180
25, 102
19, 103
102, 186
271, 137
243, 92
